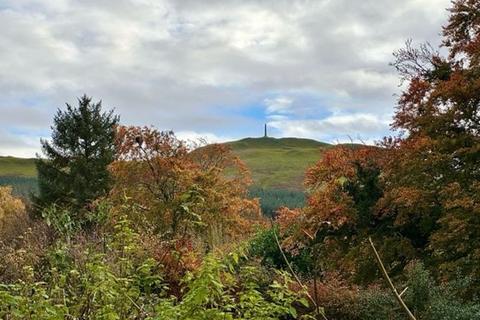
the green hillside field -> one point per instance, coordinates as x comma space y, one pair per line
18, 167
279, 163
20, 174
274, 163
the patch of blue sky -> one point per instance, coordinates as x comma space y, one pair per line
304, 105
27, 132
27, 100
254, 111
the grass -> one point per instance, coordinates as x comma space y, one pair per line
17, 167
278, 163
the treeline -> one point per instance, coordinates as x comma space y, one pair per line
22, 186
272, 199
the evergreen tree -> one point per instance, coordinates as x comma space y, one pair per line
74, 170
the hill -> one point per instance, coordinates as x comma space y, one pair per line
278, 163
11, 166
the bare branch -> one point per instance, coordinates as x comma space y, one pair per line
390, 283
413, 62
295, 275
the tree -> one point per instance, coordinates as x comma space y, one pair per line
343, 190
434, 169
74, 171
182, 193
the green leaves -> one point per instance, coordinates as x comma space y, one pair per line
60, 219
225, 287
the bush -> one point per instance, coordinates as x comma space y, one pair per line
23, 240
264, 246
110, 272
426, 299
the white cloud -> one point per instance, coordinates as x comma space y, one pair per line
17, 145
192, 136
278, 105
359, 127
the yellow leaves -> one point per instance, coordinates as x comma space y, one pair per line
455, 197
9, 205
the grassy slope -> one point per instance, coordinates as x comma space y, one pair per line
10, 166
278, 163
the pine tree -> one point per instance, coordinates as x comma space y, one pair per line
73, 171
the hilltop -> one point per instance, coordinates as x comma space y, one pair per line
278, 163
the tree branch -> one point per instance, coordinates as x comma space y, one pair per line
390, 283
295, 275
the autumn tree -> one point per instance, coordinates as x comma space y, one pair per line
73, 171
343, 190
181, 192
434, 170
417, 193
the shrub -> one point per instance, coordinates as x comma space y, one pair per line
110, 273
264, 246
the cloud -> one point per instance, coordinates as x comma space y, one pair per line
196, 65
336, 128
18, 145
192, 136
278, 105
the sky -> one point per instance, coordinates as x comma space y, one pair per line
212, 69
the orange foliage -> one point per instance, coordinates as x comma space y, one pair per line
181, 192
329, 202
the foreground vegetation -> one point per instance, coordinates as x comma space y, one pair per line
128, 223
112, 272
